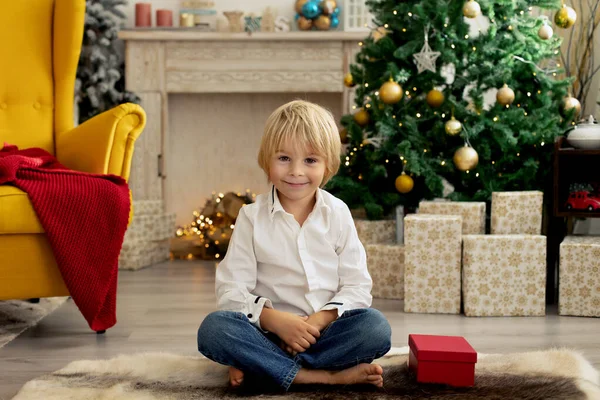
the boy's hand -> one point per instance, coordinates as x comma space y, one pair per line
321, 319
292, 329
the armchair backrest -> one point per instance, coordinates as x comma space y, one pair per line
40, 43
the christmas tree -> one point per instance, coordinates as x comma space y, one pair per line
453, 99
100, 84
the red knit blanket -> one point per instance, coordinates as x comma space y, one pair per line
85, 217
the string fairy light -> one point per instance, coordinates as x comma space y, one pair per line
212, 227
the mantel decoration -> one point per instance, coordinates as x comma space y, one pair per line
314, 14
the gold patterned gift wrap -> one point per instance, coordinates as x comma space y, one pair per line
579, 273
432, 263
376, 231
517, 213
473, 213
504, 275
386, 267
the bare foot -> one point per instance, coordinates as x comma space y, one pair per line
236, 377
361, 374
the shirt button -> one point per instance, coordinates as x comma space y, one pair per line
37, 105
250, 315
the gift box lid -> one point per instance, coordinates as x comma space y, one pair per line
442, 348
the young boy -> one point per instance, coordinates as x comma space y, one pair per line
294, 290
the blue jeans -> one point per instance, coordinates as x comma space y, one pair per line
358, 336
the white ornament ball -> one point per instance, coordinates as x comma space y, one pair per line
545, 32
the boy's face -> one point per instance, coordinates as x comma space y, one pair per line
296, 172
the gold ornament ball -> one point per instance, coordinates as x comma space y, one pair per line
299, 5
304, 24
344, 136
349, 80
466, 158
390, 92
565, 17
471, 9
322, 23
545, 32
328, 6
453, 127
505, 95
571, 102
361, 117
435, 98
404, 183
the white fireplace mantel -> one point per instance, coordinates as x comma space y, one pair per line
163, 62
196, 36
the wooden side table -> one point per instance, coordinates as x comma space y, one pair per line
570, 166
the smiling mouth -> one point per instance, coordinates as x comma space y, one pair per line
296, 184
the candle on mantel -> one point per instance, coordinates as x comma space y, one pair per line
143, 14
164, 18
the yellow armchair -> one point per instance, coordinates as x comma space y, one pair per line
41, 43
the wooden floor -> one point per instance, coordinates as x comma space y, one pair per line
160, 309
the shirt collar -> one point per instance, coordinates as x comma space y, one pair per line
275, 206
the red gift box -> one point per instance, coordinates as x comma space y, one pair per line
448, 360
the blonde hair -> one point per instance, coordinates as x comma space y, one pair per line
303, 124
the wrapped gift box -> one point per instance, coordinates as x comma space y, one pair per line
381, 231
146, 240
137, 254
147, 207
386, 267
504, 275
517, 213
432, 263
151, 227
446, 360
579, 272
473, 213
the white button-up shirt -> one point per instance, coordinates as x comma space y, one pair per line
274, 262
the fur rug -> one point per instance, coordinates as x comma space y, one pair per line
552, 374
18, 315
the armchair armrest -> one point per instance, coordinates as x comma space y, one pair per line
103, 144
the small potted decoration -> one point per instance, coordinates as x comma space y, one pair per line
585, 135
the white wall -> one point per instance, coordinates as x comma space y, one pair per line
282, 7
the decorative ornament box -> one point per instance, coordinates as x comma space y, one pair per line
432, 280
473, 213
579, 272
448, 360
381, 231
517, 213
504, 275
386, 267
